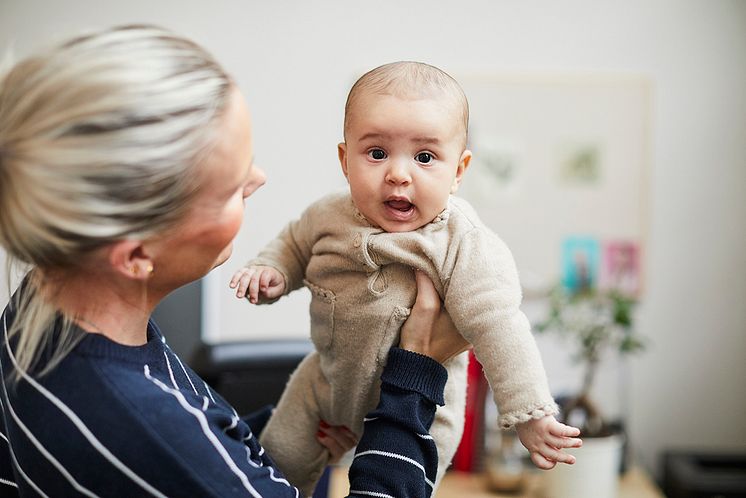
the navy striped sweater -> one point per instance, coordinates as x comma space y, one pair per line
114, 420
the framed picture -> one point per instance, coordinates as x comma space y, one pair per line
556, 156
580, 263
621, 267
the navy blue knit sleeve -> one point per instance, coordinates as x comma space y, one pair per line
396, 455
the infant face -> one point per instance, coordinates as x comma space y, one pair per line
402, 158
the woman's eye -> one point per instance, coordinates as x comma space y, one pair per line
424, 157
377, 154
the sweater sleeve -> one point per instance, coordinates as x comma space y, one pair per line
483, 298
396, 455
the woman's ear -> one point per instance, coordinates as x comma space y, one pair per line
463, 165
129, 258
342, 153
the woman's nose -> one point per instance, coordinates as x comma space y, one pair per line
257, 178
398, 174
261, 176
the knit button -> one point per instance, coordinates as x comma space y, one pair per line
358, 240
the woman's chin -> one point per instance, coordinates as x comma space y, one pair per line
224, 255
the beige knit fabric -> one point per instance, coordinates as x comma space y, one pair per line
362, 288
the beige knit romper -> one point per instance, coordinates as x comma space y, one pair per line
362, 287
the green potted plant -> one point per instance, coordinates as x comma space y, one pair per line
594, 321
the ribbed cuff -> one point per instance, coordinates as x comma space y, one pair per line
416, 372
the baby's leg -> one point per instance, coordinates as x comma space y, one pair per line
448, 425
290, 434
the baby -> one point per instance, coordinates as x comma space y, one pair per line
404, 154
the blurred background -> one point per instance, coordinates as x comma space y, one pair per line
599, 123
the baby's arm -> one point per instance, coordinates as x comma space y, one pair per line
545, 438
258, 281
280, 266
486, 309
483, 298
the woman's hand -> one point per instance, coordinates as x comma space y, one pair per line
338, 439
429, 329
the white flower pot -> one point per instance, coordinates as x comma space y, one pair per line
595, 473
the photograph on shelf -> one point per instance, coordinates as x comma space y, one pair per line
621, 267
580, 263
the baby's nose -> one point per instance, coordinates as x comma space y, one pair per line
398, 173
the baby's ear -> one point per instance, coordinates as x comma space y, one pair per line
342, 153
463, 165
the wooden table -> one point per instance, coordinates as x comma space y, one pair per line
634, 484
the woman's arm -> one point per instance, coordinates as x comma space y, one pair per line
396, 455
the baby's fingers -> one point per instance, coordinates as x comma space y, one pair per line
562, 430
243, 282
542, 462
256, 288
556, 456
264, 280
564, 442
237, 277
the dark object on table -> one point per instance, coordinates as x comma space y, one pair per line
704, 475
249, 374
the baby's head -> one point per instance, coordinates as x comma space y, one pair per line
405, 150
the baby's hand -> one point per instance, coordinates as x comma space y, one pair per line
545, 437
255, 281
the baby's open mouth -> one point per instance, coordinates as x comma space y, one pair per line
402, 206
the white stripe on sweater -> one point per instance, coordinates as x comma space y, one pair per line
234, 423
398, 457
202, 420
280, 479
8, 483
209, 393
271, 471
10, 448
40, 447
18, 465
251, 462
425, 436
108, 455
170, 372
369, 493
186, 374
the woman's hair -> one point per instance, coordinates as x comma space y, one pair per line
100, 138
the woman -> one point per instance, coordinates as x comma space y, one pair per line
125, 160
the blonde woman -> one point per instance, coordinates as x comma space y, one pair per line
125, 160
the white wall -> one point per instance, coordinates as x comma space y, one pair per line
295, 61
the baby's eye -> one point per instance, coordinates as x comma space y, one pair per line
424, 158
377, 154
